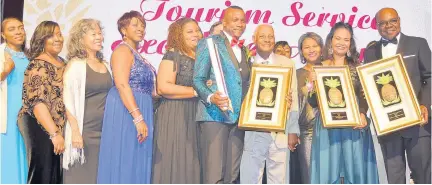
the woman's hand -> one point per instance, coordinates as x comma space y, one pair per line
58, 142
77, 140
312, 76
142, 131
363, 122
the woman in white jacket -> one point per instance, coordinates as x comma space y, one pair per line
87, 80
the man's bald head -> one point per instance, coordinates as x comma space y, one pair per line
262, 27
264, 39
234, 21
388, 23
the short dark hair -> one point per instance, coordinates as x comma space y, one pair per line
125, 19
281, 43
214, 26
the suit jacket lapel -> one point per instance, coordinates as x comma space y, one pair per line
378, 50
401, 44
230, 51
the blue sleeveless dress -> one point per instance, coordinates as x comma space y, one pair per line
14, 167
122, 159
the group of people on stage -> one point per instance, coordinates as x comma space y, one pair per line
82, 119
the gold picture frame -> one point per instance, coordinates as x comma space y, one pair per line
336, 97
388, 91
264, 107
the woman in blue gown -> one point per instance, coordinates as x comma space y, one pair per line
13, 156
343, 155
125, 155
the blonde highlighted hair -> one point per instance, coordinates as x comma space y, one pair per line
75, 46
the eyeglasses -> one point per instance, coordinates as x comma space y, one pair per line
393, 21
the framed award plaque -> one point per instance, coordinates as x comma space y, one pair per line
392, 101
336, 97
265, 107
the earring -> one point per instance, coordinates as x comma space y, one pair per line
348, 54
330, 51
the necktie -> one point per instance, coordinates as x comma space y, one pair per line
237, 42
385, 41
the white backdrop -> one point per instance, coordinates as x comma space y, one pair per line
290, 18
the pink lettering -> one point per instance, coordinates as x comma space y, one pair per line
308, 17
147, 45
363, 19
115, 44
158, 11
296, 16
257, 16
171, 11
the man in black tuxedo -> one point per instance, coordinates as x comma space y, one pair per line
416, 140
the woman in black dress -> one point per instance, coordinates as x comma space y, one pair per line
175, 153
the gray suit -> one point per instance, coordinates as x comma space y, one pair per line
416, 140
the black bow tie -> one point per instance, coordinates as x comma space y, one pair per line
385, 41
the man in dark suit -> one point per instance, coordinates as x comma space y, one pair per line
416, 140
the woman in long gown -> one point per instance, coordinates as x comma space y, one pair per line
13, 155
125, 154
87, 81
343, 155
311, 45
175, 153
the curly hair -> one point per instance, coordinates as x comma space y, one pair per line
126, 18
353, 59
175, 35
43, 32
75, 46
311, 35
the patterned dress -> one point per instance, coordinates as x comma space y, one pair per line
43, 83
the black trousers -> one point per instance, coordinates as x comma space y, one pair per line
44, 165
221, 150
418, 150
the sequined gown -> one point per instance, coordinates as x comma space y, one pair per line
122, 159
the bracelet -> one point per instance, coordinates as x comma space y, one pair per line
138, 119
53, 135
130, 112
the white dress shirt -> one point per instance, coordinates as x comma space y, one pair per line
390, 49
236, 49
259, 60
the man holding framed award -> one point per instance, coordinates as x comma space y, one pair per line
263, 148
222, 59
415, 140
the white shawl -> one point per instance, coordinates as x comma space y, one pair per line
3, 93
74, 81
